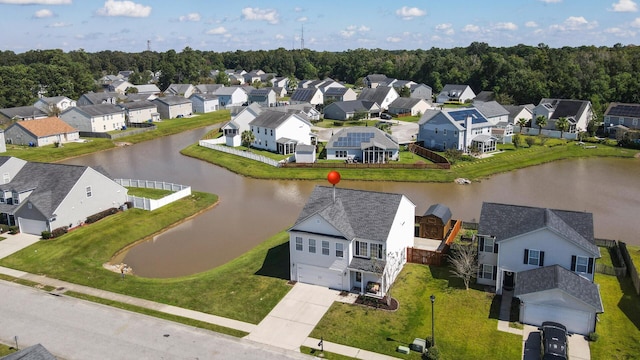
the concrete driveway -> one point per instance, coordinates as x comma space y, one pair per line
292, 320
578, 345
15, 243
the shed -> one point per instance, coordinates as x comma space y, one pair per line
435, 223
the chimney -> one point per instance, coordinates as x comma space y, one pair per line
467, 133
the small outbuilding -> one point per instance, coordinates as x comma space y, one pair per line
435, 223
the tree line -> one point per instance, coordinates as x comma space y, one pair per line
519, 74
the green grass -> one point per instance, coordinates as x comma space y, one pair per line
51, 153
606, 256
148, 193
6, 350
464, 320
245, 289
634, 253
324, 354
159, 314
503, 161
619, 325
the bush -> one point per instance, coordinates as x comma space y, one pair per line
530, 141
46, 235
59, 231
593, 336
14, 230
4, 228
101, 215
338, 123
432, 353
555, 142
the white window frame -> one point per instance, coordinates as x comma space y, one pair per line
299, 246
534, 260
376, 251
580, 266
312, 246
488, 240
88, 191
362, 249
487, 269
325, 247
339, 250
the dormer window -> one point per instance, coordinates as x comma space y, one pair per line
88, 190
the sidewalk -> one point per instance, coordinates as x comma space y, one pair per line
287, 325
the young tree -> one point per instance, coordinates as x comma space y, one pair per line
541, 121
562, 124
522, 122
464, 263
247, 138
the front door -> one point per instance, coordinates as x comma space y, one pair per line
508, 280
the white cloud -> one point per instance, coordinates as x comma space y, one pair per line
616, 31
353, 29
269, 15
636, 23
573, 23
505, 26
447, 29
471, 28
302, 19
624, 6
531, 24
393, 39
220, 30
551, 1
43, 13
123, 8
190, 17
279, 37
297, 9
407, 13
58, 25
36, 2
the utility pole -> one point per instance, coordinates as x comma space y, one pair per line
148, 45
302, 38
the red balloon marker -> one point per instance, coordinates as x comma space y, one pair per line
333, 177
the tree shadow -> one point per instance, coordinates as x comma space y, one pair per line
276, 262
443, 273
629, 304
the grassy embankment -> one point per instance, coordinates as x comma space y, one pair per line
51, 153
508, 159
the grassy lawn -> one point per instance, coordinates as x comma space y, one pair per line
148, 193
619, 325
503, 161
51, 153
465, 321
606, 256
634, 252
244, 289
6, 350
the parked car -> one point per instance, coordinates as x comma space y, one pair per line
553, 341
385, 116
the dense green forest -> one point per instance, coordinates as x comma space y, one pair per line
519, 74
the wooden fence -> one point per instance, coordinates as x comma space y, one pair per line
633, 272
616, 257
430, 155
438, 257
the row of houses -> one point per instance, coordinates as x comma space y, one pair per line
359, 241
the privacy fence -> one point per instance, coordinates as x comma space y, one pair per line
243, 153
178, 192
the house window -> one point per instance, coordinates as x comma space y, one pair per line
436, 130
358, 277
298, 243
266, 143
582, 264
325, 247
621, 121
339, 250
271, 132
376, 251
361, 249
444, 131
455, 133
88, 189
312, 246
487, 272
534, 257
487, 244
635, 122
6, 178
258, 130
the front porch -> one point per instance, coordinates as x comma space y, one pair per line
366, 277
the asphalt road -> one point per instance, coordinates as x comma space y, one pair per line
75, 329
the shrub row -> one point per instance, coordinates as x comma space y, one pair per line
101, 215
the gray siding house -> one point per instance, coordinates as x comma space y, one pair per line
43, 197
171, 107
344, 110
41, 132
462, 129
362, 144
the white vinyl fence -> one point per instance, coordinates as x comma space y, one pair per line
179, 192
550, 133
233, 151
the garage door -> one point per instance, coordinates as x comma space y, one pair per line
309, 274
34, 227
576, 321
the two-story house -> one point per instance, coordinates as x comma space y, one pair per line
140, 111
362, 144
621, 117
266, 97
381, 95
546, 257
463, 129
95, 118
280, 132
55, 104
239, 123
577, 112
231, 96
454, 93
171, 107
351, 240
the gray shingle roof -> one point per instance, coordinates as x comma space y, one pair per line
441, 211
50, 183
305, 149
304, 94
335, 91
507, 221
404, 103
491, 108
101, 97
97, 110
145, 104
355, 213
375, 266
22, 112
33, 352
566, 108
172, 100
514, 110
353, 106
377, 95
271, 119
379, 138
557, 277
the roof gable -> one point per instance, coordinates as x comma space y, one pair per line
45, 127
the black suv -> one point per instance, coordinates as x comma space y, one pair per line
553, 341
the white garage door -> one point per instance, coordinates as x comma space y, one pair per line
34, 227
309, 274
576, 321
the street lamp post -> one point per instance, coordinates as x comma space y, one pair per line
433, 337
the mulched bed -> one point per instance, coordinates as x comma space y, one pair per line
377, 303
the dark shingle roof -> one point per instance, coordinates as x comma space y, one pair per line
355, 213
375, 266
377, 95
98, 109
271, 119
33, 352
335, 91
353, 106
484, 96
404, 103
557, 277
303, 94
22, 112
566, 108
507, 221
624, 110
440, 211
137, 105
361, 137
50, 183
100, 97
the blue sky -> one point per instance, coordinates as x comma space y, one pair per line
95, 25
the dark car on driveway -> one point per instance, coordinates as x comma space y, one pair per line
385, 116
553, 341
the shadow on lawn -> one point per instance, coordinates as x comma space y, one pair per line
630, 301
276, 263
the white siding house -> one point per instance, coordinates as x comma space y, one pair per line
280, 132
140, 111
348, 239
171, 107
240, 123
204, 103
95, 118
